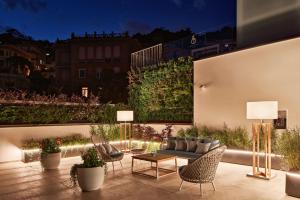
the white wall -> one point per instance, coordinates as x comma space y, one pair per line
270, 72
11, 137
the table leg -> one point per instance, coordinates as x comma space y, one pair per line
176, 169
157, 174
132, 165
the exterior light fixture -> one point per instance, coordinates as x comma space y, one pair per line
261, 110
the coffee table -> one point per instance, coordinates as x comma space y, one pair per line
154, 158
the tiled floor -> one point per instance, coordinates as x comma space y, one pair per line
28, 181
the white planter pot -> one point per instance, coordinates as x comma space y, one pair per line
90, 179
51, 160
292, 184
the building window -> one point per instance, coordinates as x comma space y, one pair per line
116, 51
90, 53
107, 52
85, 91
98, 74
82, 73
81, 53
99, 53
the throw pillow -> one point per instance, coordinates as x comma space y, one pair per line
191, 145
171, 143
180, 144
108, 148
202, 148
214, 144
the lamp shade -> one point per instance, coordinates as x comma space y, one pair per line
262, 110
125, 116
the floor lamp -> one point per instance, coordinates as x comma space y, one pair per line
261, 110
124, 117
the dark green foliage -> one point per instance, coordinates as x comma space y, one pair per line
46, 114
106, 133
236, 138
91, 159
288, 145
163, 93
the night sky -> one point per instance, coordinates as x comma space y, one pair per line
53, 19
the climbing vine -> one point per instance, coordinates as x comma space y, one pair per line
163, 92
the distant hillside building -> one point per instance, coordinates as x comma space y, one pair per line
16, 63
196, 46
92, 62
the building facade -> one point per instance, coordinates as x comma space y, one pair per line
92, 62
261, 22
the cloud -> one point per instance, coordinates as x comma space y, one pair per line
137, 27
199, 4
178, 3
29, 5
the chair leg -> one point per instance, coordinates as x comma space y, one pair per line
181, 185
213, 186
113, 167
200, 190
121, 163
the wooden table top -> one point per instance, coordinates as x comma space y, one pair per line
153, 157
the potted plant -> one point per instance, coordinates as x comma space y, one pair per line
288, 145
51, 153
89, 174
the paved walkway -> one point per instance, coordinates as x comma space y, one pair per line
29, 181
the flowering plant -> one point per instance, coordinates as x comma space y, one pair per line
50, 145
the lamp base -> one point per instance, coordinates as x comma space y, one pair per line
261, 175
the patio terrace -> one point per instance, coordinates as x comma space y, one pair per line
28, 181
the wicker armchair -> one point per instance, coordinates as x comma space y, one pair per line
115, 155
203, 169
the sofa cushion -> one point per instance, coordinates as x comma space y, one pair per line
180, 144
116, 154
171, 143
182, 154
202, 148
191, 144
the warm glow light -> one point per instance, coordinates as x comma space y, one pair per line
125, 116
293, 174
234, 151
262, 110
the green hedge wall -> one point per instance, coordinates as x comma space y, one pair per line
163, 93
48, 114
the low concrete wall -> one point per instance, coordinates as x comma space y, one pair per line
12, 137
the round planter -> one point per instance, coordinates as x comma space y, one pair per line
292, 183
51, 160
90, 179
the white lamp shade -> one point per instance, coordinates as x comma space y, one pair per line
125, 116
262, 110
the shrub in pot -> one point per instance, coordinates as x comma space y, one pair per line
90, 174
288, 145
50, 153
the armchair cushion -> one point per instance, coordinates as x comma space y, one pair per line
116, 154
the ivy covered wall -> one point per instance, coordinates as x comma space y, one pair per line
163, 93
